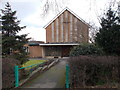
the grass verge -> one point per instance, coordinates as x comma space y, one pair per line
31, 62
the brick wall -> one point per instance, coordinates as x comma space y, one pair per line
67, 28
35, 51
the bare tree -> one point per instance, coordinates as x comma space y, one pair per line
93, 28
54, 5
92, 32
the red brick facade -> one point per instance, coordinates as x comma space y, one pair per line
67, 27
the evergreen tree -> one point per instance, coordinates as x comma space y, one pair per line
108, 36
12, 44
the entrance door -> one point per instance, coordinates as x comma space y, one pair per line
66, 51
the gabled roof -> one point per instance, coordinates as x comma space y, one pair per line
64, 11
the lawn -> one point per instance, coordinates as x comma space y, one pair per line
31, 62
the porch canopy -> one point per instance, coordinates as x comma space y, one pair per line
57, 49
59, 44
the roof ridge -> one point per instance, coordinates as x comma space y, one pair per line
66, 8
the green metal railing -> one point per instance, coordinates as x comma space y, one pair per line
67, 76
17, 72
16, 76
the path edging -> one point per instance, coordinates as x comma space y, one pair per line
46, 67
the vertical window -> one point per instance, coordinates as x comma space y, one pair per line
71, 27
62, 28
53, 32
66, 23
57, 30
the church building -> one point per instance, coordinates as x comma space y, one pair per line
62, 33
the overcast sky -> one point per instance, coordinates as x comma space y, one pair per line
30, 13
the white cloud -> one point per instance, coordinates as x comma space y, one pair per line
34, 33
21, 0
33, 19
29, 12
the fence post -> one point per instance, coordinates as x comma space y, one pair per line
67, 76
16, 76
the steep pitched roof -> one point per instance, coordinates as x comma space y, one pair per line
61, 13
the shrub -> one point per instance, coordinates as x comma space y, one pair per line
86, 49
92, 71
8, 77
108, 36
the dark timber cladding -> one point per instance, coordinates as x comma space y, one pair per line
67, 27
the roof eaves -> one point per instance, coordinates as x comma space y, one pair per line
78, 17
33, 44
55, 17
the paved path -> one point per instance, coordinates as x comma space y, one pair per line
53, 78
